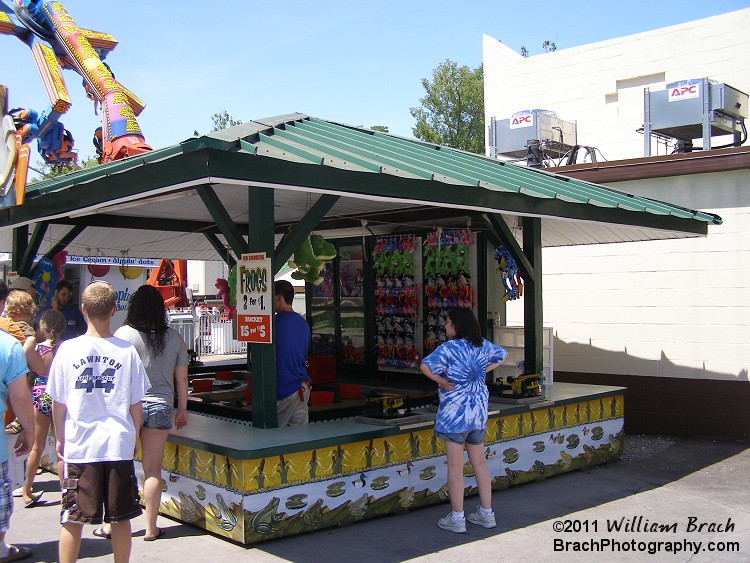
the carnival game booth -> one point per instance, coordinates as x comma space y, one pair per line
415, 228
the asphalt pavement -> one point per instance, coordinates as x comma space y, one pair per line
668, 499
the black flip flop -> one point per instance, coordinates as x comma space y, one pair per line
100, 533
159, 534
34, 499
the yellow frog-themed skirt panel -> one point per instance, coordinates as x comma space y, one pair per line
252, 500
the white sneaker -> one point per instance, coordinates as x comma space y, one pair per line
480, 519
448, 523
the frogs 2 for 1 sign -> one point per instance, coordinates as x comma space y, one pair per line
254, 294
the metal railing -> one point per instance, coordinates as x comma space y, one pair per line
210, 334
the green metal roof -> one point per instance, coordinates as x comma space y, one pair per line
316, 156
326, 143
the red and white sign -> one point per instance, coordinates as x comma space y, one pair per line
683, 90
521, 119
254, 293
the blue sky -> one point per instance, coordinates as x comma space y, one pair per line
355, 62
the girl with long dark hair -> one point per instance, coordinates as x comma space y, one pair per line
165, 358
459, 367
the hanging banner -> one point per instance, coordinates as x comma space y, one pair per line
254, 293
113, 261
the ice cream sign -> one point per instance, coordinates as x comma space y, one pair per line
254, 298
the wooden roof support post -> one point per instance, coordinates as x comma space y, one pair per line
25, 260
260, 238
532, 296
220, 250
67, 238
505, 235
222, 219
299, 232
20, 244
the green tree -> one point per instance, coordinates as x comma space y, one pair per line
547, 45
452, 111
47, 171
223, 120
381, 128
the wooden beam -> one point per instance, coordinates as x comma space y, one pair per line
303, 228
223, 220
20, 244
143, 223
66, 239
35, 243
503, 232
220, 250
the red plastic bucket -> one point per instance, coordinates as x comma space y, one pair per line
350, 390
202, 385
321, 397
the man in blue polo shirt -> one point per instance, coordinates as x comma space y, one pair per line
292, 340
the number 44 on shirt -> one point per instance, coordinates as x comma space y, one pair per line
88, 381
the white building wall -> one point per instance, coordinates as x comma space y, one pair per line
600, 85
202, 276
678, 308
663, 308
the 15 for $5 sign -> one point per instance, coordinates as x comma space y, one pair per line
254, 298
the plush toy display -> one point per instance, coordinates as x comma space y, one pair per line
310, 259
45, 278
447, 279
224, 292
511, 277
395, 302
322, 249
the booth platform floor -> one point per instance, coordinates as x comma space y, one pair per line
661, 483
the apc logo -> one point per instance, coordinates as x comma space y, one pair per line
518, 121
679, 93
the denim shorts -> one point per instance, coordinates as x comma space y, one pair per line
157, 415
472, 437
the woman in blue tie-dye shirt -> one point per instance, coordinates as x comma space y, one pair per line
459, 367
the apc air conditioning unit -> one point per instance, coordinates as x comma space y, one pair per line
532, 130
694, 109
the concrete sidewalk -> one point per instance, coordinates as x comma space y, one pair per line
661, 491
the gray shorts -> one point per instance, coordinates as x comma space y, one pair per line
157, 415
472, 437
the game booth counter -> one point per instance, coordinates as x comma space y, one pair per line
387, 234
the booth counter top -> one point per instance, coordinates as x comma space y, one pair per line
241, 441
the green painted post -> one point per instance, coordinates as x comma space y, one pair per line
260, 238
20, 244
532, 296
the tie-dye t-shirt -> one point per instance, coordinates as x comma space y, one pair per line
464, 365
